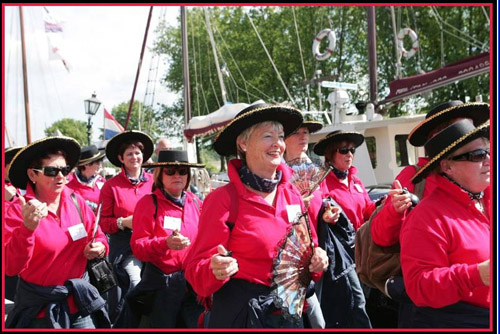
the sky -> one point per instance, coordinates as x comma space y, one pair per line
102, 45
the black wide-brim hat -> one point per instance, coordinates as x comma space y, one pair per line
10, 153
90, 154
479, 112
449, 140
338, 136
289, 117
173, 158
312, 126
114, 144
18, 169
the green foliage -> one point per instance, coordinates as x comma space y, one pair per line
71, 128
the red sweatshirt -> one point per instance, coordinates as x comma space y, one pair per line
49, 255
90, 192
119, 197
353, 199
442, 241
149, 236
257, 231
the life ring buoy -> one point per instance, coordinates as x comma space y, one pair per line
414, 46
331, 44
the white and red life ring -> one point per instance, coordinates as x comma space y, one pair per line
331, 44
414, 46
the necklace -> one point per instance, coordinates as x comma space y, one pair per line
473, 196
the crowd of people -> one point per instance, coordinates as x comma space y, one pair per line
266, 250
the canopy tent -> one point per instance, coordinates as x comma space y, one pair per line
463, 69
204, 125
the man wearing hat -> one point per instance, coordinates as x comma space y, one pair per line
87, 181
386, 225
49, 239
165, 225
119, 195
244, 223
445, 241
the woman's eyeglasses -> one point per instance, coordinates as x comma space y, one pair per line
474, 156
172, 171
53, 171
345, 150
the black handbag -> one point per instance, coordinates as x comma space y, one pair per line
100, 270
101, 274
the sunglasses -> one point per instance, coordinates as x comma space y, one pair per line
172, 171
474, 156
53, 171
345, 150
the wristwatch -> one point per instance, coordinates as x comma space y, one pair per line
120, 223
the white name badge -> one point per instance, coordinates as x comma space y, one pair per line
172, 223
99, 185
293, 211
77, 232
358, 187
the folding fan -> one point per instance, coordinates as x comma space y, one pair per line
307, 176
291, 275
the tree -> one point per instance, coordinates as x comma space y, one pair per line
70, 128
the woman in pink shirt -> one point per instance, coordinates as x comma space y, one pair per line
445, 240
165, 225
86, 181
243, 224
49, 239
119, 196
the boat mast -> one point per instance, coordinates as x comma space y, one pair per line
372, 55
185, 68
138, 68
25, 78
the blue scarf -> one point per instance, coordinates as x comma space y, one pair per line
142, 177
339, 173
258, 183
178, 201
83, 179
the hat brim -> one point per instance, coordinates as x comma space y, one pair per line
312, 126
96, 157
477, 111
354, 137
18, 168
290, 118
10, 153
481, 131
173, 164
114, 143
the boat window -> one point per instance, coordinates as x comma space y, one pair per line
372, 150
401, 150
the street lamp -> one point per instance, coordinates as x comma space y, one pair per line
91, 107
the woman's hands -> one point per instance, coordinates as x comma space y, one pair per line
319, 261
177, 241
127, 221
399, 200
33, 211
331, 214
222, 264
94, 249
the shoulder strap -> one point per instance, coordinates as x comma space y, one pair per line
155, 202
420, 186
233, 209
73, 197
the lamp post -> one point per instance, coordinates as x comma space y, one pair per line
91, 107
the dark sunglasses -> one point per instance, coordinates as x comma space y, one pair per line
53, 171
172, 171
474, 156
345, 150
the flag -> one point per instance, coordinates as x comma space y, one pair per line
111, 125
54, 32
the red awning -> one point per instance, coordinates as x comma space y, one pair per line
466, 68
